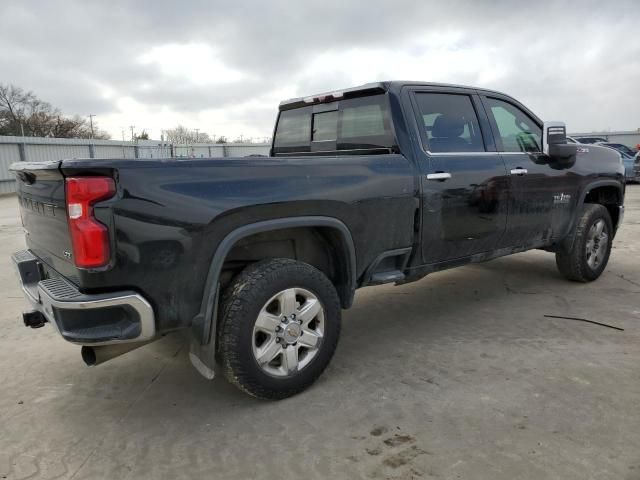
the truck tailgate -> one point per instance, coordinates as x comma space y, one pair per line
41, 195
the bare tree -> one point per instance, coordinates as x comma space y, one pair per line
22, 113
142, 136
204, 138
181, 135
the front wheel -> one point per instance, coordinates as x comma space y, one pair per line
589, 255
279, 328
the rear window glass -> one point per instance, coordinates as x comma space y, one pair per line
325, 126
363, 121
294, 130
356, 124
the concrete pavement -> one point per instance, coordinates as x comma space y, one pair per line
458, 375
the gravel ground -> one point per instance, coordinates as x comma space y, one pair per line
456, 376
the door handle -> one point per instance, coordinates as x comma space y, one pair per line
519, 171
439, 176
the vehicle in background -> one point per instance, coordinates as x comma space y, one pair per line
630, 171
620, 147
571, 140
590, 140
628, 158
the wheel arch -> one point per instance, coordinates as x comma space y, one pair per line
609, 193
204, 324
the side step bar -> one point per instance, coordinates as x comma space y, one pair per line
388, 267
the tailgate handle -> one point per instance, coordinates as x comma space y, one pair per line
27, 177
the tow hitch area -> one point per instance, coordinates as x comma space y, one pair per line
33, 319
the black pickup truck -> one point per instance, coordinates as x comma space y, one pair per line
256, 257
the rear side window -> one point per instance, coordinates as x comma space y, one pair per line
450, 123
355, 124
517, 131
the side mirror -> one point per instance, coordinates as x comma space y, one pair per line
555, 146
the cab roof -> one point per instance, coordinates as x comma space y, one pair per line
369, 89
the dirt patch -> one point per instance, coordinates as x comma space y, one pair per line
399, 440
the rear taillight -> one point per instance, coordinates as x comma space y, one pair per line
89, 237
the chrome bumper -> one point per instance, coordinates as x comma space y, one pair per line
99, 319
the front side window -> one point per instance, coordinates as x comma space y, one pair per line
450, 123
516, 130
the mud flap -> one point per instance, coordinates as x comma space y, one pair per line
202, 357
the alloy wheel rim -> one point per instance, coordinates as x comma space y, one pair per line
288, 332
597, 242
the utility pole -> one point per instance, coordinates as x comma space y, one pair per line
197, 130
132, 127
91, 123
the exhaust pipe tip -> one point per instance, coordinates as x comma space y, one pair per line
102, 353
88, 356
33, 319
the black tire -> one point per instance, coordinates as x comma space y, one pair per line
573, 264
242, 302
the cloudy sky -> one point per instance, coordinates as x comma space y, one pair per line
223, 66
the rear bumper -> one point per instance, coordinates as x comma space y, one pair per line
101, 319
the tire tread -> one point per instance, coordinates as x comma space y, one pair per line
240, 297
571, 263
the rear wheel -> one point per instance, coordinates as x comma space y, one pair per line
279, 328
589, 255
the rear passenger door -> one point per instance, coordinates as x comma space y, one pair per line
464, 190
541, 197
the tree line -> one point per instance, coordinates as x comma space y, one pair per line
22, 113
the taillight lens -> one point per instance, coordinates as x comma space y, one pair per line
89, 237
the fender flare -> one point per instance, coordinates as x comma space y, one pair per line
597, 184
204, 324
567, 242
600, 183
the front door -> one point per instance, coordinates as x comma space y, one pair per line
464, 182
542, 196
